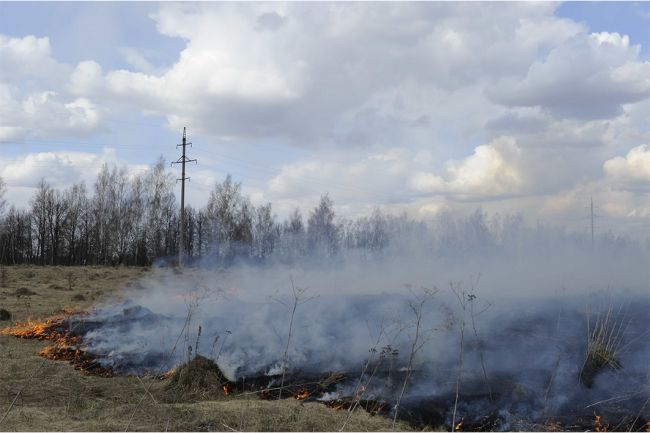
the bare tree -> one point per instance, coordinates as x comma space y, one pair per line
3, 191
39, 218
266, 232
322, 232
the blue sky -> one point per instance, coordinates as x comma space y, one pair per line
630, 18
409, 107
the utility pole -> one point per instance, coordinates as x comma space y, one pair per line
182, 160
592, 217
591, 201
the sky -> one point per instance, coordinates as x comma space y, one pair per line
409, 107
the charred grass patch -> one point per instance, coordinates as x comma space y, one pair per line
53, 396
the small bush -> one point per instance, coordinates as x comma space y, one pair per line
4, 314
23, 291
199, 379
78, 297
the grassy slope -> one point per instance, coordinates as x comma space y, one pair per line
60, 398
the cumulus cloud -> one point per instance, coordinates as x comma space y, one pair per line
398, 176
57, 167
27, 57
630, 172
60, 168
490, 172
421, 106
321, 73
45, 114
33, 97
588, 76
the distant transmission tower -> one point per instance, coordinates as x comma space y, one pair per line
182, 160
592, 215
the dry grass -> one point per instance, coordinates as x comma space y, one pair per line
59, 398
603, 345
200, 379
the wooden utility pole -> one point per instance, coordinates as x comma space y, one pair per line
182, 160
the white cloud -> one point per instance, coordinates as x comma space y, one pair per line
60, 169
588, 76
418, 106
21, 58
45, 114
33, 98
490, 172
320, 73
630, 172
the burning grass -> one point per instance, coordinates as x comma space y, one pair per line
75, 401
373, 407
66, 346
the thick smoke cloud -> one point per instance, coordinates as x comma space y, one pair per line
529, 307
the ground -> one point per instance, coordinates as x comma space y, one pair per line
55, 397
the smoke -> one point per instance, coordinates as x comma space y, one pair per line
528, 312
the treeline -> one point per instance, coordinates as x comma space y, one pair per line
134, 220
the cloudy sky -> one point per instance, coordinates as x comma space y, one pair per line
417, 107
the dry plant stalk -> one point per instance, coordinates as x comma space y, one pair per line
420, 338
603, 345
298, 299
361, 388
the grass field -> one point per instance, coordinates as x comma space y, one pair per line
53, 396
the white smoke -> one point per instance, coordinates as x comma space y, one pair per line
531, 311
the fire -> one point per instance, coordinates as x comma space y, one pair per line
66, 346
226, 389
168, 374
301, 394
360, 392
459, 426
598, 424
647, 426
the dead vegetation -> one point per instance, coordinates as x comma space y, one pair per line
23, 291
199, 379
603, 345
53, 396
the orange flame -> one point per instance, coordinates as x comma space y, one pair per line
226, 389
301, 394
65, 347
598, 425
459, 426
168, 374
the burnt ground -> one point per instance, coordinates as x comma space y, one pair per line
53, 396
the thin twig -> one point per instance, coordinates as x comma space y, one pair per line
21, 390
